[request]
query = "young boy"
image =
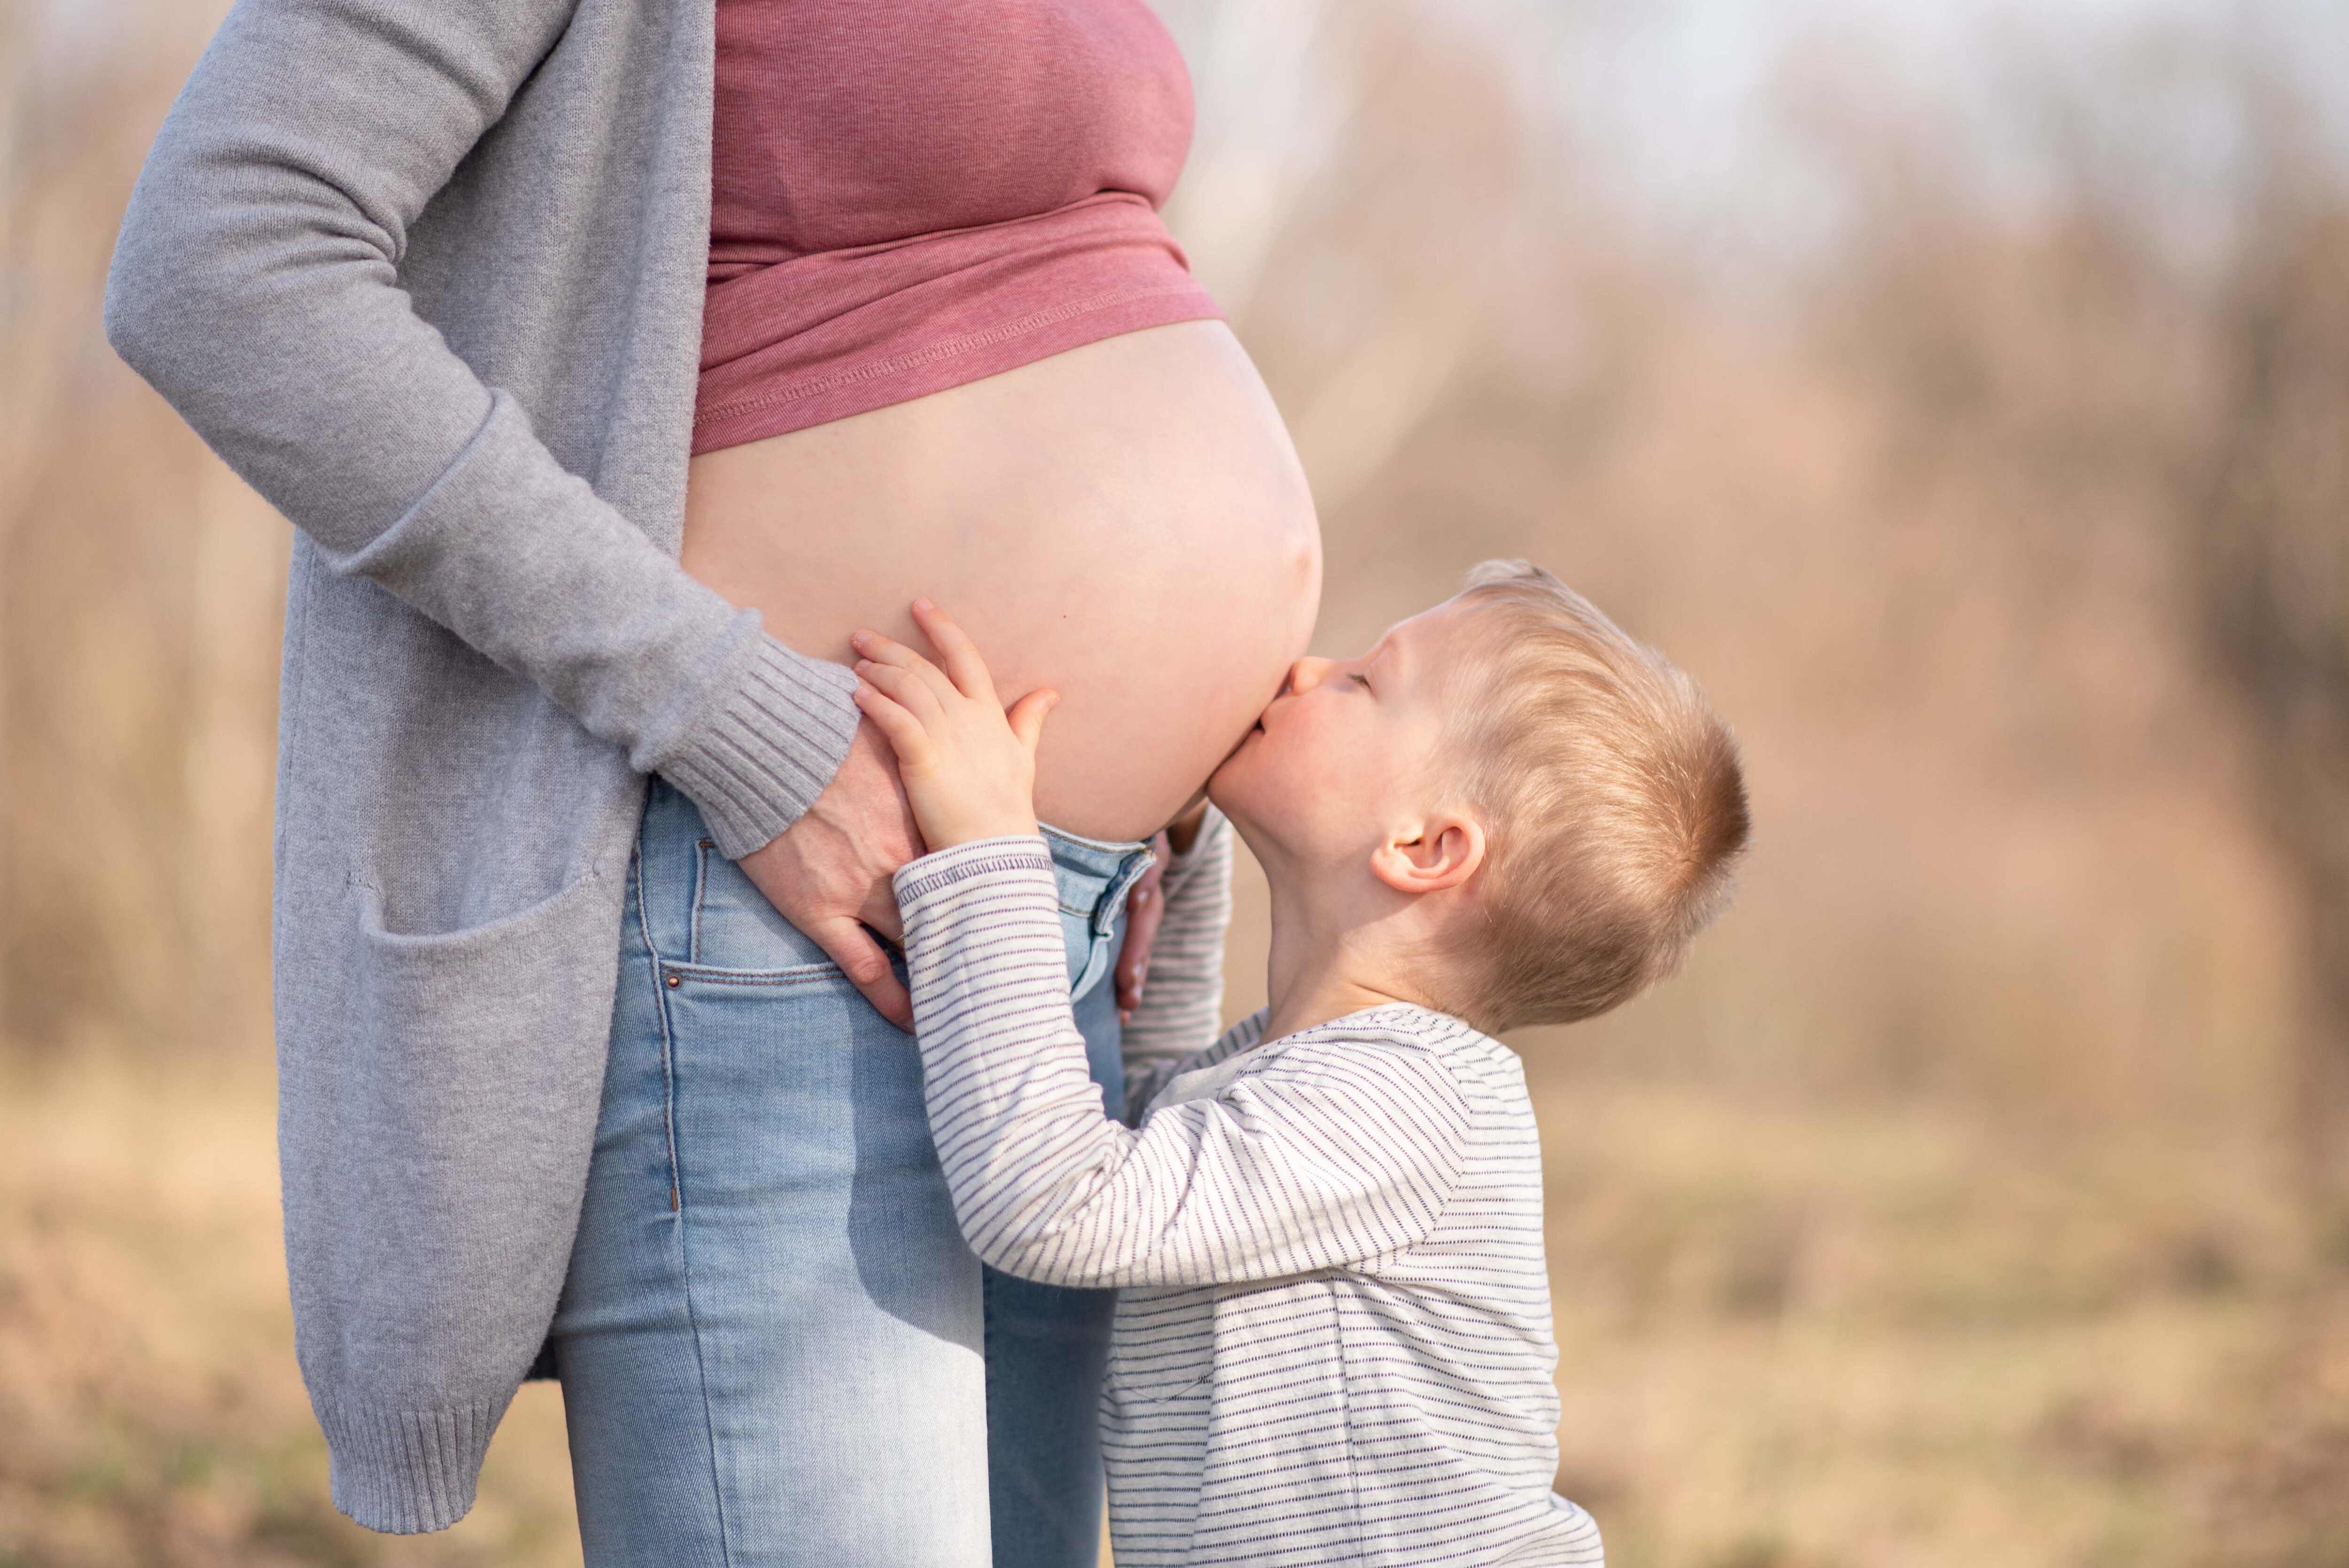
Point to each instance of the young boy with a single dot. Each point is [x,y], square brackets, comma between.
[1333,1344]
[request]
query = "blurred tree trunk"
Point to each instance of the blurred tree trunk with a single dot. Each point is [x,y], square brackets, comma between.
[2273,537]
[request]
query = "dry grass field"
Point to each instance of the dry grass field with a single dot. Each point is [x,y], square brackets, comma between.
[1832,1336]
[149,1410]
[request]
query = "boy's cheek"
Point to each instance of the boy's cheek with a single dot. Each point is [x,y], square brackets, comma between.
[1302,791]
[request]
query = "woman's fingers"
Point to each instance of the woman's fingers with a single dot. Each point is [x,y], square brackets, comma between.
[847,944]
[955,651]
[1145,907]
[829,872]
[1027,715]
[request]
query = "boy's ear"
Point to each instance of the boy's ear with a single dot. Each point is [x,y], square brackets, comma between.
[1444,851]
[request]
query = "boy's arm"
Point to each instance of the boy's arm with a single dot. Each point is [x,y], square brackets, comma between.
[1327,1156]
[1323,1157]
[1144,1082]
[1182,1005]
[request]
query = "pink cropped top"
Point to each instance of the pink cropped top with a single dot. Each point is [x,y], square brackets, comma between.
[907,195]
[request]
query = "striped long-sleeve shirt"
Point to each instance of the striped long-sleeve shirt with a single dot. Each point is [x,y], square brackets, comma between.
[1333,1340]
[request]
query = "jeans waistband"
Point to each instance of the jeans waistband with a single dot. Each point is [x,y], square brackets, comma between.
[675,863]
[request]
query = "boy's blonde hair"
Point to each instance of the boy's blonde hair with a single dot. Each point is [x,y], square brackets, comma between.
[1613,800]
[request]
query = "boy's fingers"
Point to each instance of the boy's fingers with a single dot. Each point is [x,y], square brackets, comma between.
[1027,715]
[881,649]
[901,729]
[888,651]
[907,687]
[955,650]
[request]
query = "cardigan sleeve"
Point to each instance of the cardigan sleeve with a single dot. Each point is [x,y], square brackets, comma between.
[1341,1148]
[257,285]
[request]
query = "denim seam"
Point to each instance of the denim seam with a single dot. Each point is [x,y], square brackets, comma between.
[667,1051]
[677,1218]
[693,920]
[707,975]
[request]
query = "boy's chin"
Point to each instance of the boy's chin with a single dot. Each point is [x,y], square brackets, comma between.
[1228,785]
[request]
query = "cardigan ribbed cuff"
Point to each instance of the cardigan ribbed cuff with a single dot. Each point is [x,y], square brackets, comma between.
[407,1471]
[771,744]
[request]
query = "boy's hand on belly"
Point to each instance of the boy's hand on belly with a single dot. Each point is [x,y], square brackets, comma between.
[968,766]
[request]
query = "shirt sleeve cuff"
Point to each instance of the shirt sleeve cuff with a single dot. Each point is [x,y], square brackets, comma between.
[771,744]
[925,880]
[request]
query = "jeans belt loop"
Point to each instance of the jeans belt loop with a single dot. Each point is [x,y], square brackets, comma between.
[1105,922]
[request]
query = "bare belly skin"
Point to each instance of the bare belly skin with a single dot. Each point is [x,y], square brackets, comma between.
[1125,522]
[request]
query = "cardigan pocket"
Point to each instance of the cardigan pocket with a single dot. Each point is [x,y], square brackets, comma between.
[435,1204]
[462,1027]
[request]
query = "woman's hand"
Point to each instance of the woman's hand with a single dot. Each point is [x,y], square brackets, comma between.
[829,872]
[1145,907]
[968,766]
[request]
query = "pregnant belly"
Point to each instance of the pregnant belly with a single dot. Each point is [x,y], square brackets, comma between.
[1125,522]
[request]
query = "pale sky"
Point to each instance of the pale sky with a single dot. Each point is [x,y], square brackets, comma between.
[1698,97]
[1689,110]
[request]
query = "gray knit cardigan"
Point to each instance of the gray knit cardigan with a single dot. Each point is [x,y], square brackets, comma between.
[427,273]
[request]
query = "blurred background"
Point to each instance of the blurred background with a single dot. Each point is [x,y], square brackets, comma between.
[1960,388]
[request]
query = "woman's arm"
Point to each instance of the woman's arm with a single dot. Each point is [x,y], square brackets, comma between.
[1328,1155]
[257,285]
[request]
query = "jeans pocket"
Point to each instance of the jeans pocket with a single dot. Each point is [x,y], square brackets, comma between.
[735,929]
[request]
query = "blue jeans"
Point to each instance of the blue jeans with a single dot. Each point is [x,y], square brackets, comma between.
[774,1345]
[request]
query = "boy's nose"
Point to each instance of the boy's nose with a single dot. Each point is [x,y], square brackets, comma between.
[1307,673]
